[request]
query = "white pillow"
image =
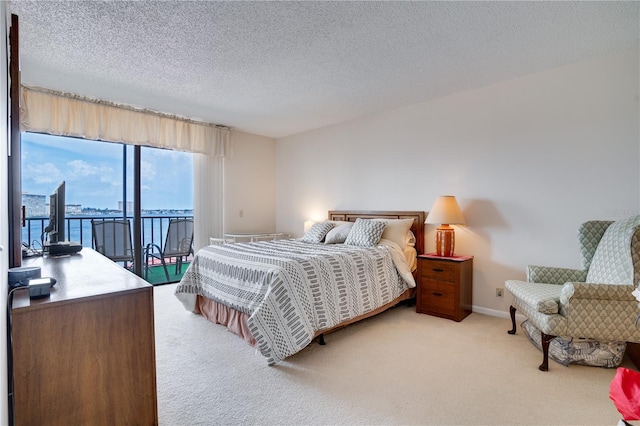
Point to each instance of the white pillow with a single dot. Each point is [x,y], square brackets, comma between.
[411,239]
[396,230]
[338,234]
[317,232]
[365,233]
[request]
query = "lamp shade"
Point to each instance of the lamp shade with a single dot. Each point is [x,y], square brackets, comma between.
[445,210]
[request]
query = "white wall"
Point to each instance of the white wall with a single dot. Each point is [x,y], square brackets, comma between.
[249,185]
[528,160]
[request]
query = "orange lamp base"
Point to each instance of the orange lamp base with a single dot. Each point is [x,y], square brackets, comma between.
[445,240]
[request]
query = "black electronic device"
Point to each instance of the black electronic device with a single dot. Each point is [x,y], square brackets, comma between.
[62,248]
[55,229]
[57,244]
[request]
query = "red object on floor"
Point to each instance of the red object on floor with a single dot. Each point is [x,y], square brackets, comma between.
[624,391]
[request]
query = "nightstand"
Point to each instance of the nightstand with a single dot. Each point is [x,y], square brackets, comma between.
[445,286]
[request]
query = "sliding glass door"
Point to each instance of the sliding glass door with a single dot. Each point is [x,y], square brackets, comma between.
[166,179]
[99,180]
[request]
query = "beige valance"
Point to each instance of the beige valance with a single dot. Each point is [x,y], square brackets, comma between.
[64,114]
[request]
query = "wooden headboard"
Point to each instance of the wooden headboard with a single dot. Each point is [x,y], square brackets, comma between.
[418,220]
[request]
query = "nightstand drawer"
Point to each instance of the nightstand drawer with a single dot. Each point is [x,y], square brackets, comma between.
[438,297]
[440,271]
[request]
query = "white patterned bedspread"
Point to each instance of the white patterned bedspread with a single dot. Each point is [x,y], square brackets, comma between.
[291,289]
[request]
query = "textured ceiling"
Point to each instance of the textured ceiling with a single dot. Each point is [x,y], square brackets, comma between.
[279,68]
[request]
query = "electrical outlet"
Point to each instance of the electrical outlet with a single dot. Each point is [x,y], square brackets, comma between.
[499,292]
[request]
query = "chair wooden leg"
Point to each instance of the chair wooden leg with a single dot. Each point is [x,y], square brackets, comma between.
[546,339]
[512,312]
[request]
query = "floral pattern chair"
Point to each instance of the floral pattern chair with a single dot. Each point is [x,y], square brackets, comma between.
[593,303]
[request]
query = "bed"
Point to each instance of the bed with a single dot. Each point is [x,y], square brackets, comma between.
[281,295]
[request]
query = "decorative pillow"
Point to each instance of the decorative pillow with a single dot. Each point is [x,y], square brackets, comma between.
[338,234]
[579,351]
[396,230]
[365,233]
[317,232]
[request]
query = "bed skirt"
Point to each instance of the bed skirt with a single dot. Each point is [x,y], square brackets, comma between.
[236,321]
[218,313]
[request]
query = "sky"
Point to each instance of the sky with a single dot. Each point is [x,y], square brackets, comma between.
[93,172]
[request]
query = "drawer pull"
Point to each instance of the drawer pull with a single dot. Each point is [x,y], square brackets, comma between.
[438,270]
[437,293]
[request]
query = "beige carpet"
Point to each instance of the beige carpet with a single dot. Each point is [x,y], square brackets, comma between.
[396,368]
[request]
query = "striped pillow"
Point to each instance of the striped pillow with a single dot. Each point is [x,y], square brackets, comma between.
[317,232]
[365,233]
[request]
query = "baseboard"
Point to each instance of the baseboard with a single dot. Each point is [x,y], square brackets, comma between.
[496,313]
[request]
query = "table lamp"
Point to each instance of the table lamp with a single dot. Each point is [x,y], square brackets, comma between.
[445,212]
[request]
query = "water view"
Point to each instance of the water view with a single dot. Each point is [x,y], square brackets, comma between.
[78,228]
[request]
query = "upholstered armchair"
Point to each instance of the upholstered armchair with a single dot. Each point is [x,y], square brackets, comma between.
[592,303]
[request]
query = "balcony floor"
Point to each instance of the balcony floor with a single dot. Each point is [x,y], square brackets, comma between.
[156,274]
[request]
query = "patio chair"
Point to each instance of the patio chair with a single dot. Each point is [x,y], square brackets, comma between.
[178,244]
[112,238]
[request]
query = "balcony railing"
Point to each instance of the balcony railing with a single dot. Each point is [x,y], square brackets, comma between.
[78,229]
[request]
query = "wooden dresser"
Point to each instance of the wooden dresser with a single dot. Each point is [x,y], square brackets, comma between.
[445,286]
[86,354]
